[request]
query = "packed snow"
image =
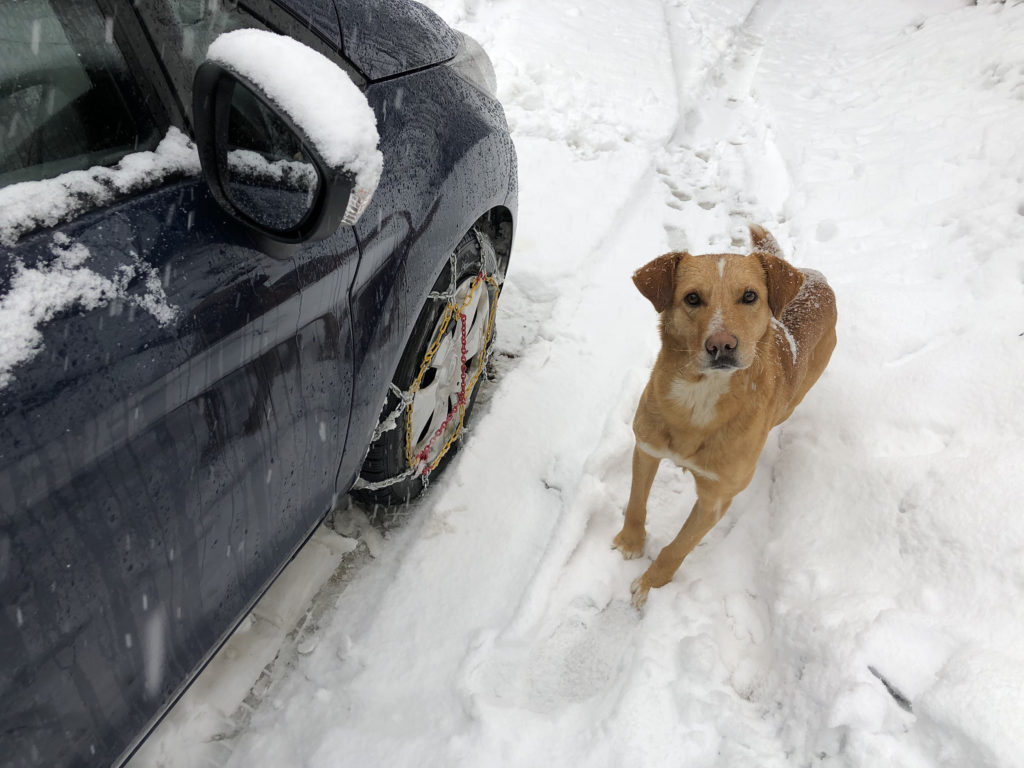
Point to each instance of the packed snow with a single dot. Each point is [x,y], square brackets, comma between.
[860,603]
[330,108]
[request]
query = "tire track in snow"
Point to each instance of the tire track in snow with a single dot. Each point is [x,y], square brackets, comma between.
[721,167]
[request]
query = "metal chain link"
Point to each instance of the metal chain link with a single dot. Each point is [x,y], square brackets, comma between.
[390,421]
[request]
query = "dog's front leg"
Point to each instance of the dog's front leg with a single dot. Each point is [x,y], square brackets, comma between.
[708,510]
[630,540]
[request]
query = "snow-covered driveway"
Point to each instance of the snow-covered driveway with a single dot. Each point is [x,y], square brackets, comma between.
[861,603]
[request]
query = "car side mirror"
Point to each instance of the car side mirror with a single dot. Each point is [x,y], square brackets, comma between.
[284,153]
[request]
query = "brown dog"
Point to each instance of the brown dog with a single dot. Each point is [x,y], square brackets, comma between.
[742,340]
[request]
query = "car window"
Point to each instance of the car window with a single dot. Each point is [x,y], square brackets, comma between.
[68,100]
[182,31]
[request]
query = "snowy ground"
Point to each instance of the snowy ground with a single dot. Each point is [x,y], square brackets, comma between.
[860,604]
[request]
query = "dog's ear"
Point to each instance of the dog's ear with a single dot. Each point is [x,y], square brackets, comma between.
[763,241]
[656,279]
[784,281]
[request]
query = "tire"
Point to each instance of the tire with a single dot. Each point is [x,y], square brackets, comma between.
[421,440]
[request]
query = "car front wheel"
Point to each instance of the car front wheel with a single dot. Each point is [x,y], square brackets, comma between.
[436,382]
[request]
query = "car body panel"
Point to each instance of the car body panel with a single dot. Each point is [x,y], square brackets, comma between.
[318,15]
[148,500]
[385,38]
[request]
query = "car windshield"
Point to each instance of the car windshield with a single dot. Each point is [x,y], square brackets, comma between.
[67,99]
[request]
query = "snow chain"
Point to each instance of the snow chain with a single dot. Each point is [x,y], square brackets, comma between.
[419,463]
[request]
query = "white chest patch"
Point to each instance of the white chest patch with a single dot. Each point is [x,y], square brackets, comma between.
[676,459]
[701,397]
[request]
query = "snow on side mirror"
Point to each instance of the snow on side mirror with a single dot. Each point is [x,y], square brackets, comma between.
[288,143]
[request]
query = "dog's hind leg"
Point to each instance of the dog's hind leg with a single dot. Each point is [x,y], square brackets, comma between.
[705,513]
[630,540]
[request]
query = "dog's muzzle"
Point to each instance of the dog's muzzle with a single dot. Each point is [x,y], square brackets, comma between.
[724,363]
[721,350]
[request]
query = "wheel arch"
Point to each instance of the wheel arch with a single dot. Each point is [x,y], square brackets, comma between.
[497,224]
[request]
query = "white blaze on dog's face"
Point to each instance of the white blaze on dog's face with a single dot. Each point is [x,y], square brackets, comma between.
[716,308]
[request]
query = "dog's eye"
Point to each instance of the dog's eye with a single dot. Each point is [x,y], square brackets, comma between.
[693,299]
[749,297]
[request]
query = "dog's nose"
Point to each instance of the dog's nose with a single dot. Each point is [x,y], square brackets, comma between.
[720,343]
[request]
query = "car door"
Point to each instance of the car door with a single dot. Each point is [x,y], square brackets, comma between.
[172,405]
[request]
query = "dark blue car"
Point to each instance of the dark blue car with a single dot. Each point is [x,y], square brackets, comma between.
[210,329]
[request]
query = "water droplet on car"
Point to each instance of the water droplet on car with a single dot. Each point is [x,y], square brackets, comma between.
[36,32]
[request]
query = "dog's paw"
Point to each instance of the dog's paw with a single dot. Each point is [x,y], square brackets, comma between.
[628,546]
[639,592]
